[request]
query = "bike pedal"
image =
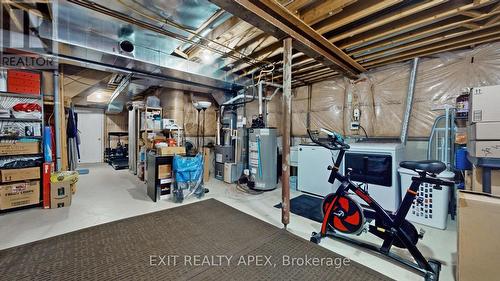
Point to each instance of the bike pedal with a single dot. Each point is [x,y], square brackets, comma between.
[421,234]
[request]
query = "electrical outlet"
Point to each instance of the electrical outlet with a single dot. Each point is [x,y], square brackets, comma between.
[354,125]
[356,113]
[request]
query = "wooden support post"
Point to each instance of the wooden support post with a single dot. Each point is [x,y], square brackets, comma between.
[63,134]
[287,111]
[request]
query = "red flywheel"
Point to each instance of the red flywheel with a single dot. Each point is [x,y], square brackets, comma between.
[346,214]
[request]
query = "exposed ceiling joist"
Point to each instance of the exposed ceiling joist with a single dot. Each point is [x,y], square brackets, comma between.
[356,12]
[276,20]
[324,10]
[391,17]
[427,31]
[437,14]
[439,47]
[295,5]
[427,41]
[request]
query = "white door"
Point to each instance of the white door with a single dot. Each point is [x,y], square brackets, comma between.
[91,129]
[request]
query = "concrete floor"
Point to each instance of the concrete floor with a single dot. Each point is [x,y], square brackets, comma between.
[106,195]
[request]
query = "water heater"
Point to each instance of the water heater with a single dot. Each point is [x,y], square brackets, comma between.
[262,157]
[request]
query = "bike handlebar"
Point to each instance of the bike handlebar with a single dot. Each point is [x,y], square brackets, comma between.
[335,141]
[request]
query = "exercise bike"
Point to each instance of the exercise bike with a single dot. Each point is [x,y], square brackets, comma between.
[344,215]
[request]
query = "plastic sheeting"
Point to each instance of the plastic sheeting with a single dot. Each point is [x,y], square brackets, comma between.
[380,94]
[441,79]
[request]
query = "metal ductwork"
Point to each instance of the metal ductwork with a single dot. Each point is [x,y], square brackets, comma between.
[100,41]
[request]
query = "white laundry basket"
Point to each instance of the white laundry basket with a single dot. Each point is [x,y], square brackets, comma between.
[434,209]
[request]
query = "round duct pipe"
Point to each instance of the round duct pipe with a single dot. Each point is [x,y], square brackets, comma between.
[172,102]
[127,46]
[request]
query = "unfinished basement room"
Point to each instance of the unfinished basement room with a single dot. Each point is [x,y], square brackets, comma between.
[250,140]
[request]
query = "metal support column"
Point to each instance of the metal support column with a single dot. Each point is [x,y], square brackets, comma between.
[57,121]
[409,101]
[287,111]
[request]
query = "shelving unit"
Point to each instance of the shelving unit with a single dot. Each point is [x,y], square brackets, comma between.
[8,98]
[142,124]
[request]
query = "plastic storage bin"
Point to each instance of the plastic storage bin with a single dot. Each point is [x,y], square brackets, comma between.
[434,209]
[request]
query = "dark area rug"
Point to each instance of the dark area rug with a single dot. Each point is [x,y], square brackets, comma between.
[206,233]
[306,206]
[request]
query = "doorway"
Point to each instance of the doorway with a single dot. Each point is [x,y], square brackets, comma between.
[91,129]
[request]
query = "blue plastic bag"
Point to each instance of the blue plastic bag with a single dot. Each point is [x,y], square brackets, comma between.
[188,169]
[188,173]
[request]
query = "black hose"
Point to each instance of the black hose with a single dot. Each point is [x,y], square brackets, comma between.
[366,135]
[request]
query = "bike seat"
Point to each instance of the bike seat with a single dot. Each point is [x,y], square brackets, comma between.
[430,166]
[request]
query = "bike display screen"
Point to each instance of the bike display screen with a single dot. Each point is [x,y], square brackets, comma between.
[370,168]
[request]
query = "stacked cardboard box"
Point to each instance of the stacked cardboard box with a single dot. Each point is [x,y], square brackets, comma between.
[19,194]
[10,175]
[19,148]
[484,129]
[60,194]
[478,233]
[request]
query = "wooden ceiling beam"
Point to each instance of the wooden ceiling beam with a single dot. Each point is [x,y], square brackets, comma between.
[440,50]
[296,5]
[355,12]
[453,8]
[367,7]
[426,41]
[471,14]
[324,10]
[222,28]
[319,78]
[308,17]
[313,75]
[276,20]
[426,31]
[493,20]
[386,19]
[438,46]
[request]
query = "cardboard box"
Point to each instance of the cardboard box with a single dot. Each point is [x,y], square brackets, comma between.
[477,180]
[10,175]
[171,150]
[484,104]
[19,148]
[207,163]
[487,149]
[164,171]
[19,194]
[60,194]
[478,233]
[484,131]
